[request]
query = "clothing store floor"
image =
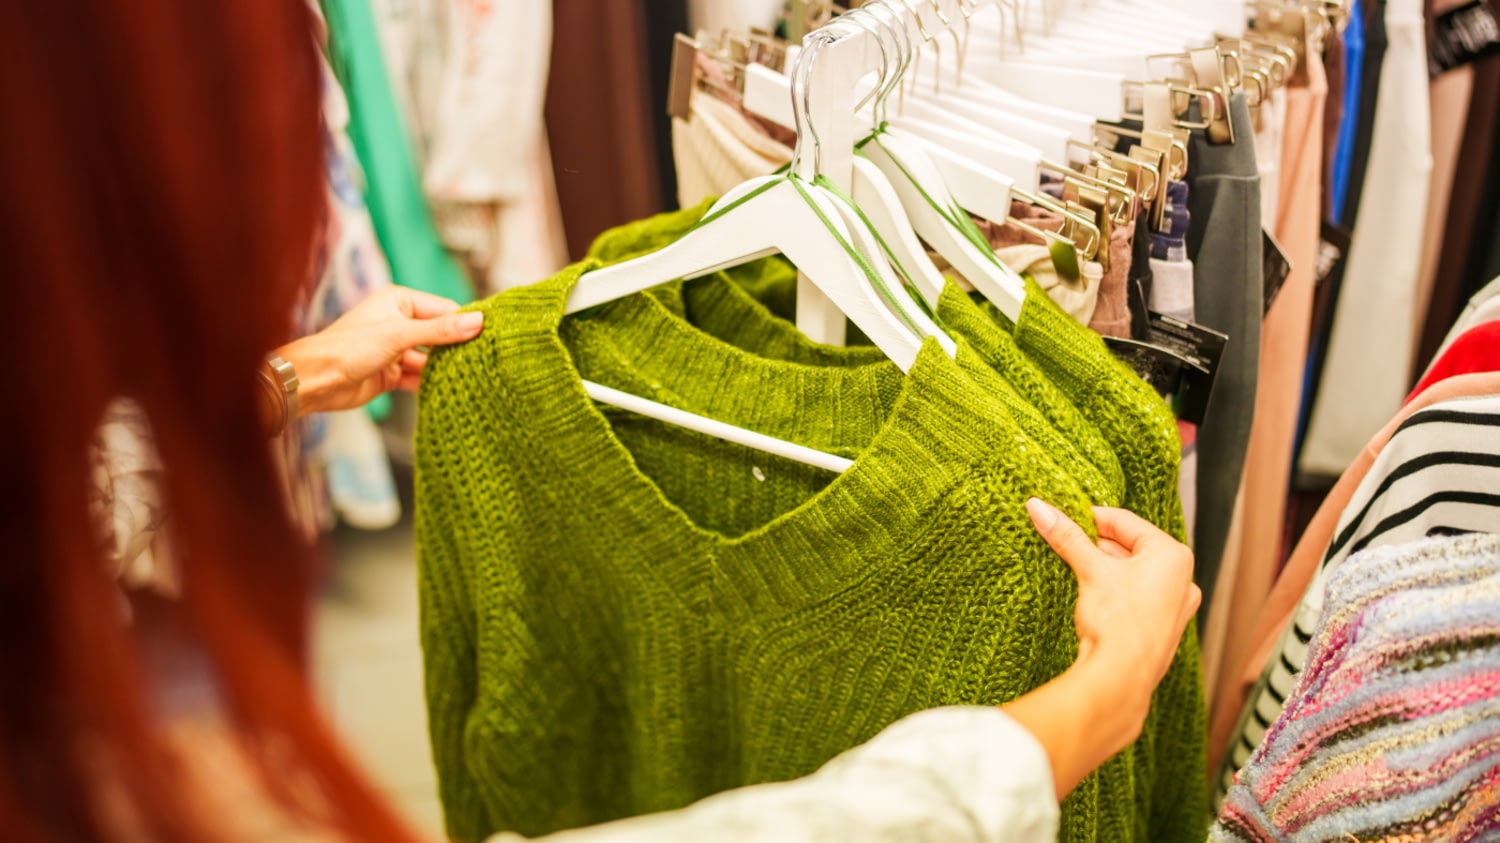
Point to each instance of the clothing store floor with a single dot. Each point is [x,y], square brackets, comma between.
[368,664]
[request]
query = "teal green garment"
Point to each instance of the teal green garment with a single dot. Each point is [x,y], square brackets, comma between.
[393,187]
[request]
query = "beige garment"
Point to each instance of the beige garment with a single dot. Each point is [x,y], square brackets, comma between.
[1449,108]
[470,79]
[733,15]
[718,149]
[126,499]
[1271,132]
[1253,559]
[1026,253]
[1239,677]
[1076,298]
[1215,629]
[527,233]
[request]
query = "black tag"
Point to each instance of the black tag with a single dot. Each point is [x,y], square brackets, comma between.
[1180,360]
[1203,348]
[1332,250]
[1462,35]
[1275,267]
[1160,367]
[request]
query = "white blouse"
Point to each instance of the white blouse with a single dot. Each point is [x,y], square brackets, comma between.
[961,774]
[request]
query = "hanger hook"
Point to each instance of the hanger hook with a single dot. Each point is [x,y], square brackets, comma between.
[802,100]
[903,46]
[921,27]
[929,38]
[958,49]
[855,18]
[901,40]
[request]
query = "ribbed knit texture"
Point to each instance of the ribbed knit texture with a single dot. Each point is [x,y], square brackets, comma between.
[1137,423]
[621,616]
[1141,430]
[1393,731]
[738,317]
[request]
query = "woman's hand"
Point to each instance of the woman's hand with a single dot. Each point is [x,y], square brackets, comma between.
[1135,589]
[1135,598]
[374,348]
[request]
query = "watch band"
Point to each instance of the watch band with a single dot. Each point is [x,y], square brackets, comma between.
[285,385]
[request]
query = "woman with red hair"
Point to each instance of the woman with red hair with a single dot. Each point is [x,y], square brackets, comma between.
[161,181]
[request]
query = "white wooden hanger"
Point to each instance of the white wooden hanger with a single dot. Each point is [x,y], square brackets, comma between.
[959,148]
[930,205]
[877,199]
[920,183]
[979,188]
[1078,72]
[785,214]
[1019,162]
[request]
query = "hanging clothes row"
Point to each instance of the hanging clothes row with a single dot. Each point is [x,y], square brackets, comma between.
[679,534]
[746,485]
[1394,216]
[719,144]
[1429,471]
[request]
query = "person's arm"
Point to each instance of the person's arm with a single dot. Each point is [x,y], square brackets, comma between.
[1135,598]
[376,347]
[960,774]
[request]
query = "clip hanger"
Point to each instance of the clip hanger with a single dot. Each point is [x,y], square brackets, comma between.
[1212,73]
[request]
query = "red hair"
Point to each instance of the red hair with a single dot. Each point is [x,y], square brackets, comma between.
[161,179]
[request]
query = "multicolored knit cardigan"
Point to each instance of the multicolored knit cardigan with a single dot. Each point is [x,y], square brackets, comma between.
[1392,733]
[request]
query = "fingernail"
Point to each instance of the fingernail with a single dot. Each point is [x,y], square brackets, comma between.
[470,322]
[1042,513]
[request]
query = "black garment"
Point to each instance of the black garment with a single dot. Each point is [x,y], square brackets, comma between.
[664,19]
[1140,277]
[1484,257]
[1376,42]
[1224,244]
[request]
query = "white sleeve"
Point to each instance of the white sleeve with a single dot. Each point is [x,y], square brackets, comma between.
[966,774]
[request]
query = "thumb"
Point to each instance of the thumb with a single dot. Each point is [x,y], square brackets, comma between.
[442,330]
[1065,537]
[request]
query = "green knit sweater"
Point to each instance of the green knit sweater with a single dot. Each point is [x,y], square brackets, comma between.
[1053,361]
[1043,412]
[621,616]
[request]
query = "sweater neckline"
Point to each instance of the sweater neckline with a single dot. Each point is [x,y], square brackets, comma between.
[939,428]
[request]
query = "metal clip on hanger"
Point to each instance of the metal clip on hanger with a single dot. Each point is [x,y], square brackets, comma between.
[1171,143]
[1212,73]
[686,77]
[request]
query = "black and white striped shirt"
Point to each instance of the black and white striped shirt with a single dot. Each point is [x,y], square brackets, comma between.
[1439,473]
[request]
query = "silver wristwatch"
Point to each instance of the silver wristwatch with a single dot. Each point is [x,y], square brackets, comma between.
[286,376]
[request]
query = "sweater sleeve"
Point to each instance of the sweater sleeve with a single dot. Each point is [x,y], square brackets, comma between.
[446,592]
[966,774]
